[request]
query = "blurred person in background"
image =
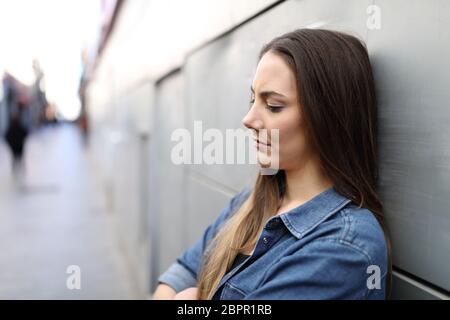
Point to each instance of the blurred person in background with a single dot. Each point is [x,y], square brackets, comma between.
[15,137]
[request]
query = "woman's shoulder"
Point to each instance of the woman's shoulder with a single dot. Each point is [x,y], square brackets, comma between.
[361,230]
[233,206]
[239,198]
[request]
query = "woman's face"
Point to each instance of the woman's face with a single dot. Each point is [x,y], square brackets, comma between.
[275,105]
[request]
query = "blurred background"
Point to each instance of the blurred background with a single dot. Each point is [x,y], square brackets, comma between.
[92,90]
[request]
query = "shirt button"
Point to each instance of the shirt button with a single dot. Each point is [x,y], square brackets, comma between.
[265,240]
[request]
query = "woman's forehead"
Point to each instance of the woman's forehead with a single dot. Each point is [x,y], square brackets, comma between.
[273,74]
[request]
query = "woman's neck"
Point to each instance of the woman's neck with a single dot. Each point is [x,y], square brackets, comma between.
[304,183]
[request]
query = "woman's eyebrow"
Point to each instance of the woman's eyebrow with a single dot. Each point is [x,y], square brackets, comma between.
[268,93]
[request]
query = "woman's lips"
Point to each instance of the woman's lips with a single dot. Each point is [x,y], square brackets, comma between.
[261,145]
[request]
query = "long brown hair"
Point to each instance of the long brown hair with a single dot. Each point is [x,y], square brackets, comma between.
[337,97]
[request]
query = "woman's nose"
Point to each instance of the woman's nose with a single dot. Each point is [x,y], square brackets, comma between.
[252,119]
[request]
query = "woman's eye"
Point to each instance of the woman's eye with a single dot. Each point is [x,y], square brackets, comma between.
[274,109]
[250,104]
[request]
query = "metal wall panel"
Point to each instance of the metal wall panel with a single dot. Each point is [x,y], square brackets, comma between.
[129,180]
[204,203]
[410,56]
[168,212]
[405,288]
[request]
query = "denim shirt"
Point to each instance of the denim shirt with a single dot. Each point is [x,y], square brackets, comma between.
[326,248]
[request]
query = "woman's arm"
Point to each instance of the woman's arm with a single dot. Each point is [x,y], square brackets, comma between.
[182,274]
[187,294]
[164,292]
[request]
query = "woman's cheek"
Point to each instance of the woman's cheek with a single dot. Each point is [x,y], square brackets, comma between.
[291,150]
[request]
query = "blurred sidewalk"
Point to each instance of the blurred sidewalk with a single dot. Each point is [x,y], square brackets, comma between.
[56,219]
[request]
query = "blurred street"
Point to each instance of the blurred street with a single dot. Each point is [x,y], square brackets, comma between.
[56,217]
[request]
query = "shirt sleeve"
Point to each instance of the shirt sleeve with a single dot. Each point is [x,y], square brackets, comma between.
[183,273]
[322,270]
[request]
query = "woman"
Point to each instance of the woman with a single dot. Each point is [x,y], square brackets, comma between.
[315,230]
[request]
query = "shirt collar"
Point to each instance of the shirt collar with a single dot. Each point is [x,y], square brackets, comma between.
[306,217]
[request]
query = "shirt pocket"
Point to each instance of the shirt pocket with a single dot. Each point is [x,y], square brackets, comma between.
[231,292]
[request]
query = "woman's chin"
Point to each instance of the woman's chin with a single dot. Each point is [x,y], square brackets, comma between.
[266,161]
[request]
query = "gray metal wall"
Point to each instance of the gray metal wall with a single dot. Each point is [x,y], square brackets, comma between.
[167,181]
[128,193]
[410,56]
